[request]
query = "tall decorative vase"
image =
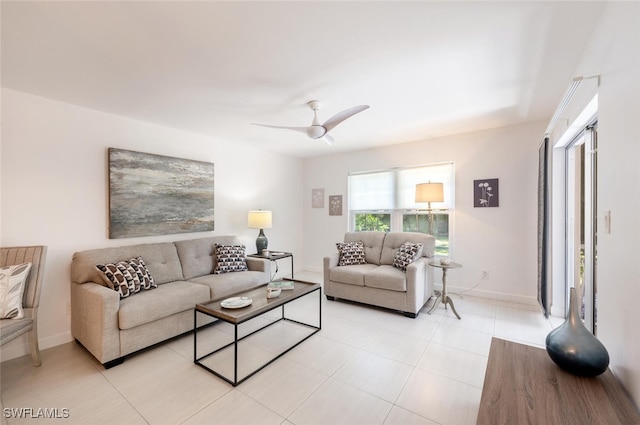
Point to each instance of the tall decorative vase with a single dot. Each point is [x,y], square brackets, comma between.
[572,347]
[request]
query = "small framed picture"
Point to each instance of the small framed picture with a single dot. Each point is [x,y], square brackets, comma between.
[317,198]
[486,193]
[335,205]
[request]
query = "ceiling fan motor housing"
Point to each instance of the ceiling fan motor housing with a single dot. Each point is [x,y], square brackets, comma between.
[316,131]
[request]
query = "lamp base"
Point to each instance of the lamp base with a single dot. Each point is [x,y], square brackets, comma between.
[261,242]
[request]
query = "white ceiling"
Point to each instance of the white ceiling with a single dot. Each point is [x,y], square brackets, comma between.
[427,69]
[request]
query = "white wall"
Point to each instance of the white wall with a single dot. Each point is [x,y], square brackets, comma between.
[501,240]
[54,190]
[614,54]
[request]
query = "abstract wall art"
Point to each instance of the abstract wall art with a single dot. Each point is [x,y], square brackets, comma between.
[158,195]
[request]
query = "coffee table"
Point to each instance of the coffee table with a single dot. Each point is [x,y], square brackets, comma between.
[261,305]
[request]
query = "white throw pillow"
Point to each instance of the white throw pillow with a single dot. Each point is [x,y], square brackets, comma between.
[12,280]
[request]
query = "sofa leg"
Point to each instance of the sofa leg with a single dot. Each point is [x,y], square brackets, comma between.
[411,315]
[330,298]
[114,362]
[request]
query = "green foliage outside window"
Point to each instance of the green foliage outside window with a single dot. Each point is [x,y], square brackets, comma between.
[420,223]
[410,223]
[373,222]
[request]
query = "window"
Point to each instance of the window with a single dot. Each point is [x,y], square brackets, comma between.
[385,201]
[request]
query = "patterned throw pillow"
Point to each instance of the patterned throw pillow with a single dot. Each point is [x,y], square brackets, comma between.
[121,277]
[406,255]
[230,258]
[146,280]
[127,277]
[12,280]
[351,253]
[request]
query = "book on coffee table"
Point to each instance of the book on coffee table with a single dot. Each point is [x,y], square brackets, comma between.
[285,285]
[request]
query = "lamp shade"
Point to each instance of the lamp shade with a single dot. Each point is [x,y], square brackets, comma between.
[429,192]
[259,219]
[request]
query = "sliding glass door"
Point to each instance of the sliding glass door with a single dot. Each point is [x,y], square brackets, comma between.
[581,222]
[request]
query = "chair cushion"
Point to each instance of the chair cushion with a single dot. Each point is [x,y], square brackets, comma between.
[12,281]
[386,277]
[351,253]
[13,328]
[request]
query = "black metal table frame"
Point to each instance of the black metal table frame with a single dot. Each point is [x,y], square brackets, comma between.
[275,257]
[236,340]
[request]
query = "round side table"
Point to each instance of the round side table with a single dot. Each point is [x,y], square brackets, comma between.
[443,297]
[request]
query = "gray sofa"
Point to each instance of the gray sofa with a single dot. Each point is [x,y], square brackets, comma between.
[110,327]
[378,282]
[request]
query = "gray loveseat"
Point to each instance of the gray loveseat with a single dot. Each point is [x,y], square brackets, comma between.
[378,282]
[111,327]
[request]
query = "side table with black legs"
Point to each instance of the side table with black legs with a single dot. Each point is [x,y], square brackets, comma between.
[443,297]
[274,256]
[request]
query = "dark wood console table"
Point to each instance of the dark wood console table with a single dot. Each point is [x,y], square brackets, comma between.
[523,385]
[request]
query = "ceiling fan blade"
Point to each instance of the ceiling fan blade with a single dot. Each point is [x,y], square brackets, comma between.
[327,139]
[341,116]
[301,129]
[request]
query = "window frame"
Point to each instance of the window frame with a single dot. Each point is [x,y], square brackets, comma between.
[396,221]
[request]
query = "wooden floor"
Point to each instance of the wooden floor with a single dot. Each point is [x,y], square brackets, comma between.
[523,386]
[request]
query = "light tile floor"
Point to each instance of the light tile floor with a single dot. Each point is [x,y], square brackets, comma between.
[366,366]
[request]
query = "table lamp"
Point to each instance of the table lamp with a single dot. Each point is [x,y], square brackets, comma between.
[430,192]
[260,220]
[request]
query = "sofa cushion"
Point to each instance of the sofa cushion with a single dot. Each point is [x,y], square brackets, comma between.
[197,256]
[161,260]
[230,258]
[353,275]
[12,282]
[407,254]
[372,242]
[224,285]
[386,277]
[393,241]
[167,299]
[351,253]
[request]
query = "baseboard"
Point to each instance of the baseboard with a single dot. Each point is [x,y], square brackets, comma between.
[20,347]
[312,269]
[492,295]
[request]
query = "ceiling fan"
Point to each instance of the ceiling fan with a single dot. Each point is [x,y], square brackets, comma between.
[319,131]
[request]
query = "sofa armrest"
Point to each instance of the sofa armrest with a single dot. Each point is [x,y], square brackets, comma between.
[258,264]
[419,282]
[331,261]
[328,263]
[94,319]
